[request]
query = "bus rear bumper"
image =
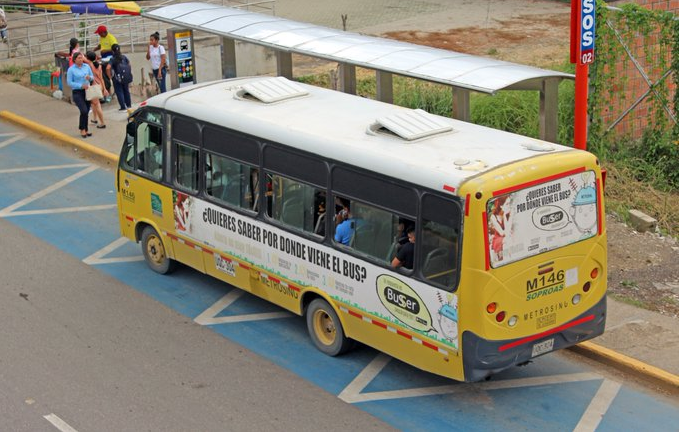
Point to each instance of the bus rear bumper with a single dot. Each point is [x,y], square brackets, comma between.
[482,357]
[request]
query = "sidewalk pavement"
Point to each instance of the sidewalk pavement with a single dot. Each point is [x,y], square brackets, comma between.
[635,340]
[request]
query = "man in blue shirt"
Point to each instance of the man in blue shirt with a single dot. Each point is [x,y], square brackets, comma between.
[345,229]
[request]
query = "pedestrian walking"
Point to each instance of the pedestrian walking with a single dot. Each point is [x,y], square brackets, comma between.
[79,77]
[156,53]
[120,73]
[3,25]
[97,111]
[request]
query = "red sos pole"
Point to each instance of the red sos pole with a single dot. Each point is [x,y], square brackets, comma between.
[582,52]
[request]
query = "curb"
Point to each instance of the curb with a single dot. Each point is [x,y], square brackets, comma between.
[587,349]
[60,136]
[628,364]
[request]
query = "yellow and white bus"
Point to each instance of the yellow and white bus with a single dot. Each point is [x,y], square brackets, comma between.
[458,249]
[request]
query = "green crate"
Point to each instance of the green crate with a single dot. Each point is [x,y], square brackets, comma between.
[41,77]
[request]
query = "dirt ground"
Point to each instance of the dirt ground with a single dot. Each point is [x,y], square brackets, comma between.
[532,40]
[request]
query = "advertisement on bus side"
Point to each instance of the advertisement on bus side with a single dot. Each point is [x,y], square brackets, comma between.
[393,298]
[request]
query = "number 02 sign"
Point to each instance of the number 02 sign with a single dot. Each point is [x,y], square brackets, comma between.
[586,51]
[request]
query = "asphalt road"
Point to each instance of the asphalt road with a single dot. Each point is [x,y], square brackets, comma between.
[91,336]
[101,356]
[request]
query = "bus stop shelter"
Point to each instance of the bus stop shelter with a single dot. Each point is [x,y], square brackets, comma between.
[464,73]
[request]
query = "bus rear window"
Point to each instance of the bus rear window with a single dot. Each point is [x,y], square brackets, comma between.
[540,218]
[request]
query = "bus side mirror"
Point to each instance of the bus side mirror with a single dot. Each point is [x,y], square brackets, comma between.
[131,129]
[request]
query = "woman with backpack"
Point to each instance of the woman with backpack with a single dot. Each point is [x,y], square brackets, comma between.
[120,72]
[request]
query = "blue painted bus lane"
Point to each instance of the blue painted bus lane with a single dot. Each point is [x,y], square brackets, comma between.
[79,217]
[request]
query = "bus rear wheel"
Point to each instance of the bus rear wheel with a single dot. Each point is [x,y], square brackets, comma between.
[325,329]
[154,252]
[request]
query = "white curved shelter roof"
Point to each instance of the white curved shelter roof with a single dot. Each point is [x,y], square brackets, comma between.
[437,65]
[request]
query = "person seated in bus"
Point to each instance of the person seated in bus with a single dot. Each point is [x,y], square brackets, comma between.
[320,217]
[345,229]
[341,207]
[402,232]
[405,255]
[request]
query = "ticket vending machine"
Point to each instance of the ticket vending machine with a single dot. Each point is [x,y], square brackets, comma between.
[181,57]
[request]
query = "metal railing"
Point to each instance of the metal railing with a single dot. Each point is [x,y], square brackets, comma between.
[35,35]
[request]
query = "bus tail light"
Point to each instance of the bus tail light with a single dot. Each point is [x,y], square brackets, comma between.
[586,286]
[512,321]
[576,299]
[491,307]
[500,316]
[594,272]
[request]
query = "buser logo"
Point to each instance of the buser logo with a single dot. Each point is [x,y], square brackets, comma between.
[402,300]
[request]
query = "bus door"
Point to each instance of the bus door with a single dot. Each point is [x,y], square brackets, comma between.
[141,197]
[186,170]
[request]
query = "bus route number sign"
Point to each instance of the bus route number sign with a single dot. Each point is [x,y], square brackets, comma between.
[587,34]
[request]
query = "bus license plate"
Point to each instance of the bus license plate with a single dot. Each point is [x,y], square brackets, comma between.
[542,347]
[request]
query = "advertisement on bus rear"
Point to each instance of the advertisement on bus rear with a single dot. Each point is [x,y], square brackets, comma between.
[541,217]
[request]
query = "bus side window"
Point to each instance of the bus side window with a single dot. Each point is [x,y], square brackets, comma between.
[187,170]
[231,182]
[149,150]
[440,241]
[294,203]
[370,230]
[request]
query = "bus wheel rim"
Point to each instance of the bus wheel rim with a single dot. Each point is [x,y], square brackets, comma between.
[154,247]
[324,327]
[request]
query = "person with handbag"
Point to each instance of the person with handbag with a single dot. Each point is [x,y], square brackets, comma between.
[97,90]
[156,53]
[79,77]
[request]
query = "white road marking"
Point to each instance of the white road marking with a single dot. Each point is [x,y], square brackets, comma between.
[364,378]
[47,190]
[15,138]
[41,168]
[59,210]
[59,423]
[209,316]
[598,406]
[98,257]
[466,388]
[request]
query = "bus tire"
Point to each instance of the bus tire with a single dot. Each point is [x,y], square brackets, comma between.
[154,252]
[325,329]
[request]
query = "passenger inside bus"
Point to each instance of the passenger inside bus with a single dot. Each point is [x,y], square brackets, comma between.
[406,252]
[345,225]
[320,217]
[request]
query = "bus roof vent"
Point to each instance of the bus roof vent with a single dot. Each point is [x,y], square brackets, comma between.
[410,125]
[539,146]
[271,90]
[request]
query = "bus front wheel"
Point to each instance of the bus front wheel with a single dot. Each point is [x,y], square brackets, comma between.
[154,252]
[325,329]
